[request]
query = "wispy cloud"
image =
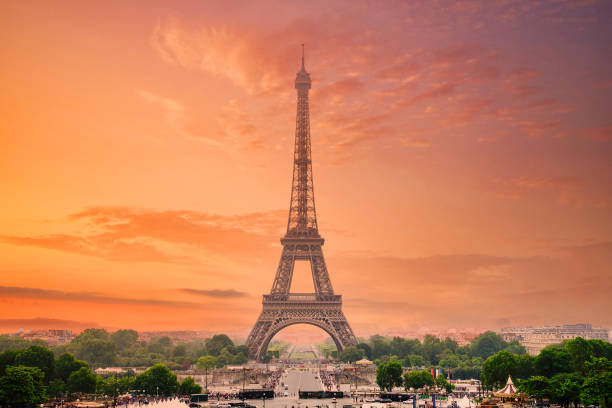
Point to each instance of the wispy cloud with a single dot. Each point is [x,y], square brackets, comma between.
[87,297]
[215,293]
[135,235]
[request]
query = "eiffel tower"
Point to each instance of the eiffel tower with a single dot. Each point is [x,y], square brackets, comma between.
[301,242]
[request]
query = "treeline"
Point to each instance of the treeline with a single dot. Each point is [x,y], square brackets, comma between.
[574,371]
[32,375]
[99,348]
[465,361]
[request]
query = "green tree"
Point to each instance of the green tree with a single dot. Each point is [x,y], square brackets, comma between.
[82,380]
[389,375]
[124,339]
[157,376]
[515,347]
[37,356]
[217,343]
[579,351]
[89,334]
[240,359]
[179,351]
[450,361]
[537,387]
[565,388]
[7,358]
[414,360]
[206,362]
[66,364]
[552,360]
[417,379]
[242,349]
[56,388]
[487,344]
[601,348]
[22,386]
[189,386]
[97,352]
[12,343]
[525,366]
[597,386]
[497,368]
[432,349]
[440,381]
[380,346]
[366,349]
[351,354]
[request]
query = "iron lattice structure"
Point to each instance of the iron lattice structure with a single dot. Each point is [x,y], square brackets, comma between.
[301,242]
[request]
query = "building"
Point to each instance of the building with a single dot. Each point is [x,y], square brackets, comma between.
[50,336]
[535,339]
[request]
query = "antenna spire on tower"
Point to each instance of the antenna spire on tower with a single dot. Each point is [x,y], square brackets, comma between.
[303,69]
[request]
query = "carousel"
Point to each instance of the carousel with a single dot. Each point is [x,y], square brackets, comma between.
[509,394]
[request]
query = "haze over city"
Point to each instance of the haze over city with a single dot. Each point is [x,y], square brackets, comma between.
[461,157]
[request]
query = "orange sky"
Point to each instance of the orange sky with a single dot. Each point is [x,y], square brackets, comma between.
[462,161]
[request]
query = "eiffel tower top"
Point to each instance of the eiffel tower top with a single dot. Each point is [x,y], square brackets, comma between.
[302,78]
[302,214]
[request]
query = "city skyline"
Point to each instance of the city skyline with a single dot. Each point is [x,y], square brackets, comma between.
[461,154]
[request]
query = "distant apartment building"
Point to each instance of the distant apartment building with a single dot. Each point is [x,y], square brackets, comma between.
[535,339]
[50,336]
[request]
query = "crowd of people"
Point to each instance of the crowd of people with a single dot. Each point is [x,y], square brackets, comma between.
[273,379]
[328,380]
[122,401]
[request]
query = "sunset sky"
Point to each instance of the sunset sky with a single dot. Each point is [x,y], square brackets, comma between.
[462,161]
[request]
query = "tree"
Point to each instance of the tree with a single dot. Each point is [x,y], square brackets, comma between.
[89,334]
[188,386]
[565,388]
[524,366]
[497,368]
[366,349]
[516,348]
[179,351]
[37,356]
[206,362]
[389,375]
[601,348]
[97,351]
[417,379]
[22,386]
[66,364]
[82,380]
[7,358]
[552,360]
[487,344]
[432,349]
[537,387]
[450,361]
[242,349]
[597,386]
[217,343]
[124,339]
[351,354]
[380,346]
[12,343]
[56,388]
[579,351]
[414,360]
[240,359]
[440,381]
[157,376]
